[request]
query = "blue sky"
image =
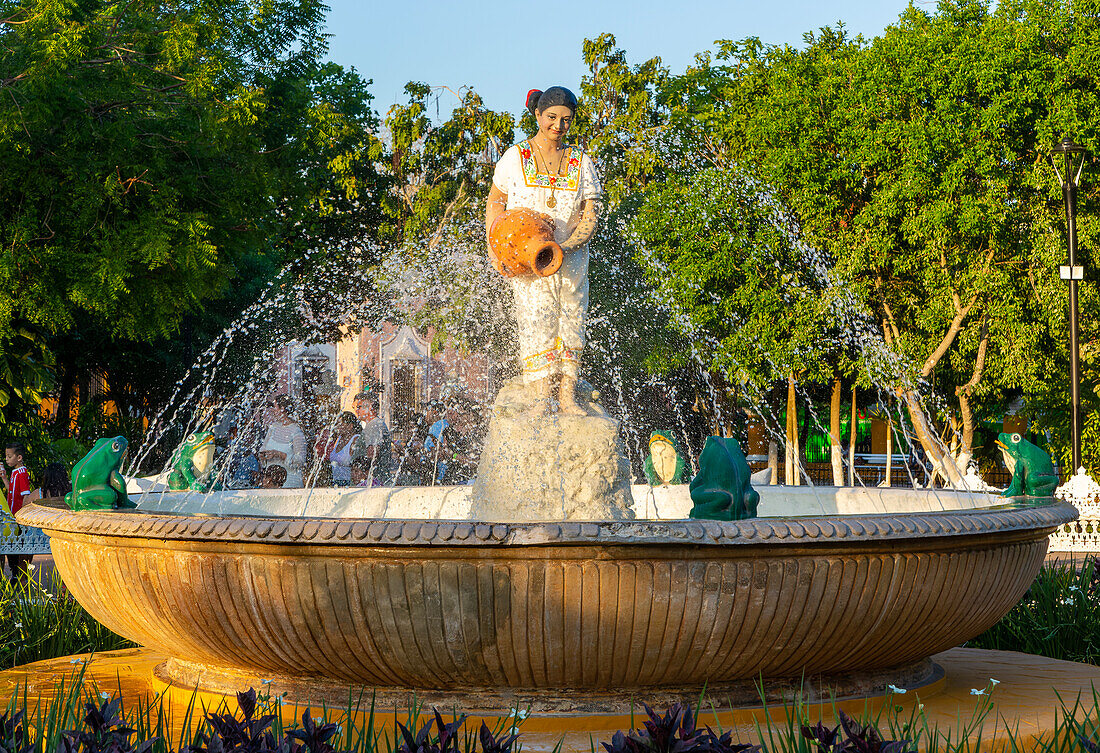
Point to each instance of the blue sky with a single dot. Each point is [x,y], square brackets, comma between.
[504,48]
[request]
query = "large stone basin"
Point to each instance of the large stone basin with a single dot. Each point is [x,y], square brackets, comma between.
[564,614]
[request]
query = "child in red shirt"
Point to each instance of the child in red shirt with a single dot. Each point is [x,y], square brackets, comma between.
[18,486]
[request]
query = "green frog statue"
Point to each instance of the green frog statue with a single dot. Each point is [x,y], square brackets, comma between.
[664,465]
[97,482]
[191,463]
[721,490]
[1032,472]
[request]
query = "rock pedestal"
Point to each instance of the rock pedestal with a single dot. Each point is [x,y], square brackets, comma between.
[554,467]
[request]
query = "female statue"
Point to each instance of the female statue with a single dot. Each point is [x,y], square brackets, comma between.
[546,175]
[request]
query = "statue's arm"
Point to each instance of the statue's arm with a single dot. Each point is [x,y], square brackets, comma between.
[586,226]
[497,203]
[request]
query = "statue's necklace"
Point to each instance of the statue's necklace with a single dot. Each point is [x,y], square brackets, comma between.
[551,201]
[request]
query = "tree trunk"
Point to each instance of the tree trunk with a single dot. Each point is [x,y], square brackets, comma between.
[921,427]
[967,422]
[929,441]
[889,447]
[835,450]
[852,441]
[791,455]
[773,461]
[64,418]
[963,392]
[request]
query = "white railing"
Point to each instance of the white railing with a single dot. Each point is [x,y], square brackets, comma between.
[1083,534]
[20,539]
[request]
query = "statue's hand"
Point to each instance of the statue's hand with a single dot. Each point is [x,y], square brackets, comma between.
[495,261]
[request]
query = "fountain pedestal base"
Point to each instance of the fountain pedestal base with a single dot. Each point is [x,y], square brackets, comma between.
[553,467]
[923,676]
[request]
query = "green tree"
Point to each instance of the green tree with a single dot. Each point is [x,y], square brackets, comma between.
[441,172]
[160,162]
[620,116]
[915,162]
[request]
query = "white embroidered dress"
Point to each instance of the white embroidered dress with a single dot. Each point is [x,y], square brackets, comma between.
[550,311]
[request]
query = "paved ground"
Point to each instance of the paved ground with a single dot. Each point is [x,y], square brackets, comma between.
[43,568]
[1023,712]
[1067,558]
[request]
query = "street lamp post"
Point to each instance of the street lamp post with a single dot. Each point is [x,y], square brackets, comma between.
[1073,156]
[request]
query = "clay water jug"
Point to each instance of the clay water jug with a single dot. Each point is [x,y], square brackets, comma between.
[522,241]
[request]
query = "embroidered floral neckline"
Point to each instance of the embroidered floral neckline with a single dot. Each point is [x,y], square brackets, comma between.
[533,178]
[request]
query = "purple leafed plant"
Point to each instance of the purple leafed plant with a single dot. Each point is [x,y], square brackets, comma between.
[104,731]
[856,738]
[13,738]
[674,732]
[445,741]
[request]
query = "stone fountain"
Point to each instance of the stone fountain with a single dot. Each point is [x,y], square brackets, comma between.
[551,581]
[567,615]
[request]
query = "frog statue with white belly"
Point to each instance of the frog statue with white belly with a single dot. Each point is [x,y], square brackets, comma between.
[1033,474]
[192,462]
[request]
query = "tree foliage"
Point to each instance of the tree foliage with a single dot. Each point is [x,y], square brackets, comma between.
[160,162]
[916,163]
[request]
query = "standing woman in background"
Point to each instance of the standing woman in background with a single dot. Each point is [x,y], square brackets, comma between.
[284,444]
[547,176]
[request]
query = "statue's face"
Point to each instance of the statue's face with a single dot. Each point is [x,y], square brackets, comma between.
[555,121]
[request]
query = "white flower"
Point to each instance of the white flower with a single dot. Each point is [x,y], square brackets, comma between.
[1074,588]
[920,707]
[994,682]
[265,682]
[977,691]
[19,624]
[76,661]
[896,689]
[105,696]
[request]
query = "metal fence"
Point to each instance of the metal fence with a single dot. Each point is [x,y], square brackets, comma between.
[902,475]
[20,539]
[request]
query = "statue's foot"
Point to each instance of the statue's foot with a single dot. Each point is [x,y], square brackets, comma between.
[538,392]
[570,408]
[567,400]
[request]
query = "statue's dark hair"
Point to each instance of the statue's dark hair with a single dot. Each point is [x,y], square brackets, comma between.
[537,101]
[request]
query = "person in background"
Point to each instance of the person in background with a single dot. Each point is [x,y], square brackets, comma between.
[273,477]
[374,440]
[55,483]
[468,440]
[284,444]
[339,446]
[18,488]
[360,471]
[439,442]
[244,467]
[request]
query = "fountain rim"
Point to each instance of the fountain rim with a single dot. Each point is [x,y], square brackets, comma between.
[1025,516]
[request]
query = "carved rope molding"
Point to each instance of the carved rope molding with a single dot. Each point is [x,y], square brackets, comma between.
[358,531]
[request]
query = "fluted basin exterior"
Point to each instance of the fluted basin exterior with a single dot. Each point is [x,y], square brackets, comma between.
[595,606]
